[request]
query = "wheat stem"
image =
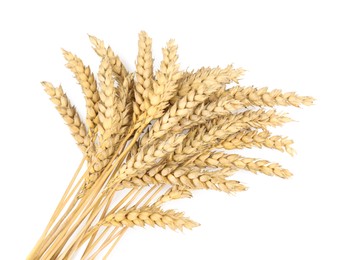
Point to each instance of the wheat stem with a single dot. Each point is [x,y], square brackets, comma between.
[97,185]
[94,190]
[136,205]
[102,216]
[115,243]
[57,211]
[109,239]
[91,246]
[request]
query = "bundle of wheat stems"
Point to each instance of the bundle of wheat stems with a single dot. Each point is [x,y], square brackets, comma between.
[152,136]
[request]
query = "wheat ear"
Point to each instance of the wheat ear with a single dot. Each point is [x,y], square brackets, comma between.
[69,114]
[208,76]
[164,88]
[234,161]
[192,181]
[144,73]
[152,216]
[255,138]
[172,193]
[118,69]
[88,83]
[251,96]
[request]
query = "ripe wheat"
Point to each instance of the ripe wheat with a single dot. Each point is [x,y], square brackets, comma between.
[159,134]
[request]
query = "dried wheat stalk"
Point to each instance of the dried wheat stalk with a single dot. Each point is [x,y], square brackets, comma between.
[152,129]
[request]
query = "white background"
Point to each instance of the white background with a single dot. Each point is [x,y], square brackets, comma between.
[304,46]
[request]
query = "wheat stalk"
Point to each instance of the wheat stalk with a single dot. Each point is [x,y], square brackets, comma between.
[160,134]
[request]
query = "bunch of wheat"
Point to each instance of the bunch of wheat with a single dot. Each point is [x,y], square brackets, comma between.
[161,133]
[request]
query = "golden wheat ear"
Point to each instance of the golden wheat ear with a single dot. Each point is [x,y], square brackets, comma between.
[86,79]
[152,216]
[69,114]
[119,70]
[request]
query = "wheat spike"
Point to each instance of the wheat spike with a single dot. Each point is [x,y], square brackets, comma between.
[251,96]
[118,69]
[88,83]
[252,119]
[109,118]
[200,138]
[107,107]
[144,71]
[146,158]
[124,109]
[172,193]
[208,76]
[255,138]
[234,161]
[152,216]
[165,86]
[192,181]
[216,130]
[182,108]
[206,111]
[69,114]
